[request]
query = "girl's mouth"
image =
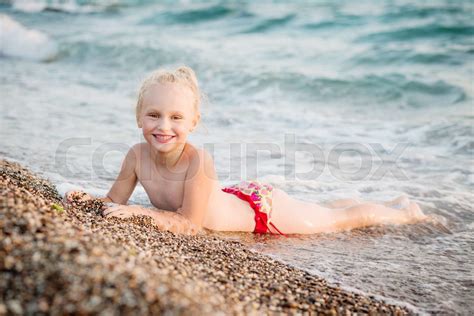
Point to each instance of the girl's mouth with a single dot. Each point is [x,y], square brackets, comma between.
[163,138]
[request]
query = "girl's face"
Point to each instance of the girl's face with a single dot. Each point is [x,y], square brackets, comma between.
[167,116]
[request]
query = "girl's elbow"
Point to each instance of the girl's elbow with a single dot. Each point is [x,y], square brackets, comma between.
[177,223]
[185,228]
[194,221]
[192,227]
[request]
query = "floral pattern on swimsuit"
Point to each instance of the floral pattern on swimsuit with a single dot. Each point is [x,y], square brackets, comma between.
[259,196]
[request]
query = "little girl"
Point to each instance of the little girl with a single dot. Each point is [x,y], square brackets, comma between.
[181,181]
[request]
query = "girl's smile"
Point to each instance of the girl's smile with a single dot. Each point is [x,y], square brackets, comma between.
[163,138]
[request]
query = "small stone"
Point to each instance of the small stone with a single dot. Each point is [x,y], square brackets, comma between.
[14,307]
[3,309]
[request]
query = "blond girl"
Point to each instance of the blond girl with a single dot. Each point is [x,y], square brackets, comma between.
[181,183]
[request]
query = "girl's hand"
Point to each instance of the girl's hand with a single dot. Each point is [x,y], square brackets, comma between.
[76,196]
[125,211]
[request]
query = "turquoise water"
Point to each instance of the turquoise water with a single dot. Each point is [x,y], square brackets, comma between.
[357,79]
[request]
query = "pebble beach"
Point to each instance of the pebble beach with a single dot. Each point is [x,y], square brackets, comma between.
[59,259]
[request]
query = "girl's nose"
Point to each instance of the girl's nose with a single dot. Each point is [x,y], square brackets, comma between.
[164,124]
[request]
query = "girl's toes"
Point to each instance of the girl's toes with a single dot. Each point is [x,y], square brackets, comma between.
[415,212]
[402,202]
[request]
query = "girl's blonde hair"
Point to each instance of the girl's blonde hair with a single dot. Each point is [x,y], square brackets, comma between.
[183,75]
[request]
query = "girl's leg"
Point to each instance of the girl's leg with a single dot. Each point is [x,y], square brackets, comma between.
[293,216]
[399,203]
[342,203]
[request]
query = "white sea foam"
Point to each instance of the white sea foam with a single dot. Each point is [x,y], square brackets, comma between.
[70,6]
[19,41]
[29,6]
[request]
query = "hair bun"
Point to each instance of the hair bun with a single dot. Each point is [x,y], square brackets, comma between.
[188,74]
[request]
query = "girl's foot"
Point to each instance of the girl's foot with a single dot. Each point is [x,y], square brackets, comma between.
[400,203]
[414,213]
[411,214]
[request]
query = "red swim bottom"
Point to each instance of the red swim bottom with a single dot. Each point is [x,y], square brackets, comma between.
[259,196]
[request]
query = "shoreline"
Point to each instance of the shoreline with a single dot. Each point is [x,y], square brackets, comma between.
[59,259]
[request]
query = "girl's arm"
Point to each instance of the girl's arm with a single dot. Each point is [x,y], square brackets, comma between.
[122,188]
[199,183]
[198,186]
[126,181]
[164,220]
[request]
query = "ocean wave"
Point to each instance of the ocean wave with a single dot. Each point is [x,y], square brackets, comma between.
[190,16]
[381,57]
[429,31]
[368,89]
[418,12]
[69,6]
[340,21]
[116,54]
[456,137]
[269,24]
[19,41]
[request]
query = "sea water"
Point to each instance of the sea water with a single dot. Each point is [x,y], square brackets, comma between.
[324,99]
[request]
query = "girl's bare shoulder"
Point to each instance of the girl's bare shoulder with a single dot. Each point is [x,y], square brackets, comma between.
[197,153]
[200,161]
[140,148]
[138,154]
